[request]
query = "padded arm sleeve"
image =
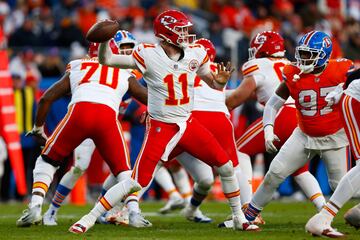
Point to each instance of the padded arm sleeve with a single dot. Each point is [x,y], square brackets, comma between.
[106,57]
[271,109]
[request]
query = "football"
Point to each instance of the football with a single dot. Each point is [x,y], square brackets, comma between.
[102,31]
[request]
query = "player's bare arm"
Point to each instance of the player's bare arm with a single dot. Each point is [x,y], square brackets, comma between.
[56,91]
[217,80]
[241,93]
[138,91]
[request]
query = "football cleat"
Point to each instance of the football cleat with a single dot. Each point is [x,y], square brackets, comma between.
[137,220]
[245,226]
[175,202]
[352,216]
[320,225]
[195,215]
[258,220]
[30,216]
[120,217]
[83,225]
[49,218]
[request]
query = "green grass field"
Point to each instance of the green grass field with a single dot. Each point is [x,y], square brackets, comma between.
[284,221]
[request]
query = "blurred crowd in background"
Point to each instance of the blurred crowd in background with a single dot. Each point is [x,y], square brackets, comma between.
[42,36]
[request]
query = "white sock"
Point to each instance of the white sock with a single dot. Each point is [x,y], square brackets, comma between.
[246,168]
[245,187]
[163,178]
[43,175]
[311,188]
[109,182]
[114,195]
[182,182]
[231,190]
[132,203]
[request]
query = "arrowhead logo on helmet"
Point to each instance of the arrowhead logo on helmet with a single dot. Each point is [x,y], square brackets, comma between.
[166,20]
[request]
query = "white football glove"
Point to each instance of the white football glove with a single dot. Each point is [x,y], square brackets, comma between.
[270,137]
[39,134]
[335,95]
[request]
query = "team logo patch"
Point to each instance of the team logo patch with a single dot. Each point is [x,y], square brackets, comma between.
[167,20]
[193,65]
[260,39]
[327,42]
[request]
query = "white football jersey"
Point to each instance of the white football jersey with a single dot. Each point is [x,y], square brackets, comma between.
[93,82]
[170,83]
[207,98]
[353,90]
[267,73]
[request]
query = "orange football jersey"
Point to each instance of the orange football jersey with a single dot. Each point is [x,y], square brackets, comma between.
[317,117]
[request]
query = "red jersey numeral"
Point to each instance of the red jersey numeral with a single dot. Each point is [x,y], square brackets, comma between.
[104,70]
[172,100]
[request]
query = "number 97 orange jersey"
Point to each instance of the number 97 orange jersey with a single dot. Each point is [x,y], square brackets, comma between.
[317,117]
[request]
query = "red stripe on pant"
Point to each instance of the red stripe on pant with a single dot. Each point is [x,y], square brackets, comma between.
[351,120]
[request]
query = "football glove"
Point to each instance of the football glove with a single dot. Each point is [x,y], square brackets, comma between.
[38,133]
[270,137]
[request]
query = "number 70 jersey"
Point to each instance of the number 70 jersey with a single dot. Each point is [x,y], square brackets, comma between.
[93,82]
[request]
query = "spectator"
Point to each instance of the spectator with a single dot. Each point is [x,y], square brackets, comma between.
[52,65]
[87,15]
[70,33]
[24,66]
[25,35]
[49,32]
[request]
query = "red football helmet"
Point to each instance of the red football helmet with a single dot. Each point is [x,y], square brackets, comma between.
[93,49]
[173,27]
[209,47]
[267,44]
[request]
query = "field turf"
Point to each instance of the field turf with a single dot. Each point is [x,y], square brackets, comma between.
[284,221]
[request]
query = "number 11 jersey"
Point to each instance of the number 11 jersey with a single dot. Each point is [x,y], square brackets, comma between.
[170,83]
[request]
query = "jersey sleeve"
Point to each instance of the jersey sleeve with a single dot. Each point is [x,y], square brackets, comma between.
[139,57]
[251,68]
[343,67]
[203,58]
[288,74]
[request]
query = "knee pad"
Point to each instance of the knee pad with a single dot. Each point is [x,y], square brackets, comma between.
[44,167]
[206,183]
[277,169]
[226,170]
[272,180]
[123,175]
